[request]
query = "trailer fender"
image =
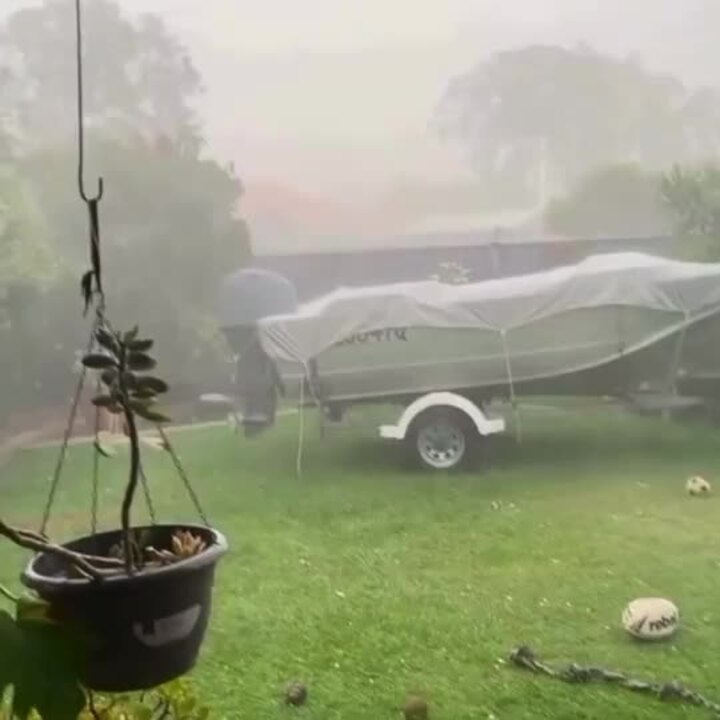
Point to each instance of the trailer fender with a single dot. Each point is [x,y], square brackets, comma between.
[484,424]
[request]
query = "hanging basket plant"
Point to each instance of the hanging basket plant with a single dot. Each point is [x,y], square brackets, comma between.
[142,596]
[138,598]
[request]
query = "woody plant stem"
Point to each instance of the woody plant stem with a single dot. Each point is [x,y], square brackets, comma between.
[134,474]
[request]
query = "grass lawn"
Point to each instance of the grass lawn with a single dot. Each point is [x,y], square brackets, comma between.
[368,581]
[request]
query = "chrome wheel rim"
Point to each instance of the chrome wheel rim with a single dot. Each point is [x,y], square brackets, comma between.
[441,444]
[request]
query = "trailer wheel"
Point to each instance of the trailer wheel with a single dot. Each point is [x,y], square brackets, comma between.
[441,439]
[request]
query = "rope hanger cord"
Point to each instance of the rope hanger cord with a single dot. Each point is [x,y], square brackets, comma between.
[55,481]
[92,286]
[511,386]
[307,377]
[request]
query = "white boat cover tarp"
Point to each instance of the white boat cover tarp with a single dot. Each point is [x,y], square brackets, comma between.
[683,289]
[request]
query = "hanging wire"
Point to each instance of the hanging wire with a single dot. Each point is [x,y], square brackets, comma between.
[148,498]
[63,452]
[66,439]
[183,475]
[81,113]
[301,430]
[92,283]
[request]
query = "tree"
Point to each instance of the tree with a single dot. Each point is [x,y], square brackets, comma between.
[692,195]
[563,113]
[30,269]
[170,222]
[26,258]
[137,75]
[169,217]
[616,201]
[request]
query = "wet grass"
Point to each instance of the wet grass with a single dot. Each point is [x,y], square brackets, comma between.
[368,581]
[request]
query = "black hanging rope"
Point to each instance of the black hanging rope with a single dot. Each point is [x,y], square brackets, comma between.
[81,113]
[148,497]
[66,440]
[183,476]
[92,284]
[63,452]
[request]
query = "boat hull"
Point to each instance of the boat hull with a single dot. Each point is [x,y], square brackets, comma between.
[404,363]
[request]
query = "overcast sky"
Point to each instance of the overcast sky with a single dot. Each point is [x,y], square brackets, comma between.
[336,94]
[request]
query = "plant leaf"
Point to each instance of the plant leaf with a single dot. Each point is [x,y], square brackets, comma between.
[106,452]
[151,415]
[98,362]
[107,401]
[153,384]
[140,362]
[109,376]
[131,335]
[140,345]
[33,609]
[142,394]
[139,404]
[40,660]
[138,711]
[107,340]
[48,681]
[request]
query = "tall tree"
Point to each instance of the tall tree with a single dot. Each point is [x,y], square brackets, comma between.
[692,195]
[30,268]
[170,215]
[557,112]
[621,201]
[137,75]
[26,256]
[170,222]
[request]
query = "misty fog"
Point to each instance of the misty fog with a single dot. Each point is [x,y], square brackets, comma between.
[298,93]
[418,300]
[324,125]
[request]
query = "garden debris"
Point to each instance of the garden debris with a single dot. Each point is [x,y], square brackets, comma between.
[523,657]
[416,708]
[296,694]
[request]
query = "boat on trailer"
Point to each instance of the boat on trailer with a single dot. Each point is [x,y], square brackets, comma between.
[613,325]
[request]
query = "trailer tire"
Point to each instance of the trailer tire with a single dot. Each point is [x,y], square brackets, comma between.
[442,439]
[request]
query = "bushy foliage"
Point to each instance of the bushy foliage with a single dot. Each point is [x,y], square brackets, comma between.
[175,701]
[692,195]
[616,201]
[170,218]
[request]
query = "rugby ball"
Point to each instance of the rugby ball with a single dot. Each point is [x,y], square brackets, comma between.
[651,618]
[697,485]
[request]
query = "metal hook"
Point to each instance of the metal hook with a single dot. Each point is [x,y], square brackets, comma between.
[81,188]
[81,114]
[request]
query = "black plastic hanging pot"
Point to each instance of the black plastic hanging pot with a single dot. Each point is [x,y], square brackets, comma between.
[143,630]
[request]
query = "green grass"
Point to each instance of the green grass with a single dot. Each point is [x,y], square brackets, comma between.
[368,581]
